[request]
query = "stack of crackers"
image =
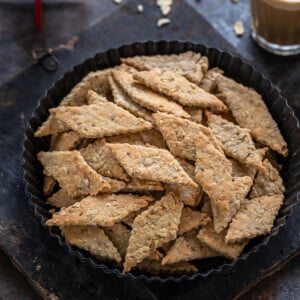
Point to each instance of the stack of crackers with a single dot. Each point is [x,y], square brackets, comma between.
[160,162]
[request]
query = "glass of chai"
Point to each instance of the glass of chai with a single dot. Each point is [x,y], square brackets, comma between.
[276,25]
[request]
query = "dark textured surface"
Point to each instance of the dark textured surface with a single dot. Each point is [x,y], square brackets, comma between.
[17,222]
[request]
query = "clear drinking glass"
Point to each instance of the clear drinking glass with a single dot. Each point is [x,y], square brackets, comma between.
[276,25]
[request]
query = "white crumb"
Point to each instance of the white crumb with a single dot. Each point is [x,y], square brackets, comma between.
[165,6]
[140,8]
[117,1]
[239,28]
[162,21]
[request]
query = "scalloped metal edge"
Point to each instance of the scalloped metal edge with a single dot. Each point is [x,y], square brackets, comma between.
[185,45]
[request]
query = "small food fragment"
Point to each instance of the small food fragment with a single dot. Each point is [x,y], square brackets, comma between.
[213,171]
[96,81]
[239,28]
[162,22]
[99,156]
[146,97]
[188,64]
[62,199]
[154,138]
[140,185]
[178,88]
[250,111]
[84,180]
[98,120]
[153,228]
[267,182]
[103,210]
[119,235]
[186,249]
[49,184]
[236,141]
[216,241]
[150,164]
[208,83]
[92,239]
[181,135]
[165,6]
[255,217]
[123,100]
[117,1]
[140,8]
[155,267]
[64,141]
[191,219]
[51,126]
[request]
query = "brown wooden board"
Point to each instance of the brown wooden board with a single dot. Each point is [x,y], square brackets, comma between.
[44,262]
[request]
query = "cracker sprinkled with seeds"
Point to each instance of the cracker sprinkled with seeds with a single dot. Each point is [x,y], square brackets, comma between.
[251,112]
[84,180]
[123,100]
[99,156]
[65,141]
[186,249]
[216,241]
[213,171]
[150,164]
[181,135]
[208,83]
[267,182]
[146,97]
[188,64]
[153,228]
[236,141]
[179,88]
[255,217]
[62,199]
[103,210]
[94,98]
[96,81]
[51,126]
[191,219]
[92,239]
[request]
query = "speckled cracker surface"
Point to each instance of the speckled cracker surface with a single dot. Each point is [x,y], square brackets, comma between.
[99,156]
[181,134]
[179,88]
[123,100]
[186,249]
[250,111]
[150,164]
[62,199]
[84,180]
[103,210]
[188,64]
[97,81]
[191,219]
[240,170]
[98,120]
[51,126]
[153,228]
[236,141]
[216,241]
[119,235]
[131,138]
[208,83]
[94,98]
[146,97]
[255,217]
[267,182]
[195,113]
[64,141]
[92,239]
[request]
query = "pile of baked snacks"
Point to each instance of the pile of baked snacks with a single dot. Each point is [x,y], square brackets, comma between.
[161,161]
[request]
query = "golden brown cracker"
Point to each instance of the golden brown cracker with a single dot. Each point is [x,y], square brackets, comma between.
[146,97]
[140,185]
[92,239]
[99,156]
[208,82]
[104,210]
[98,120]
[83,181]
[62,199]
[153,228]
[255,217]
[267,182]
[154,138]
[250,111]
[94,98]
[51,126]
[150,164]
[195,113]
[179,88]
[64,141]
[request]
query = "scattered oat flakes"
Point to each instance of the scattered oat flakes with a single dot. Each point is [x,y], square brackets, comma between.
[239,28]
[103,210]
[162,22]
[153,228]
[140,8]
[117,1]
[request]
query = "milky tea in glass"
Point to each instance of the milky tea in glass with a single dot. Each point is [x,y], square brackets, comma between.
[276,25]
